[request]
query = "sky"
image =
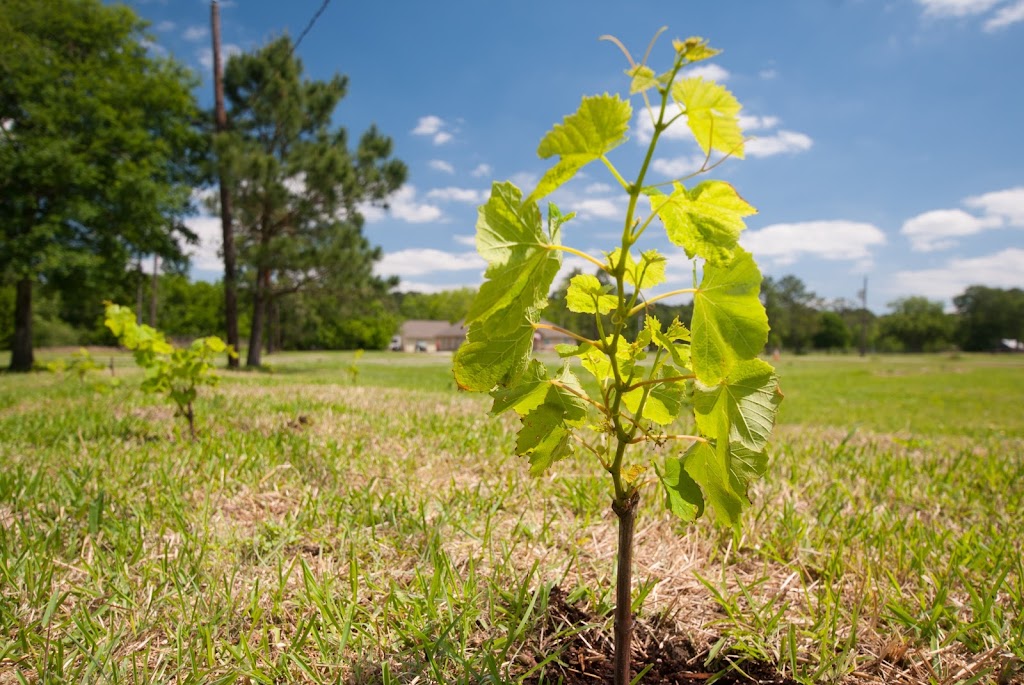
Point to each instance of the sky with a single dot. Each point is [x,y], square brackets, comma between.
[886,137]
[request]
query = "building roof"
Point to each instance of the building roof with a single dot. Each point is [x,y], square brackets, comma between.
[424,329]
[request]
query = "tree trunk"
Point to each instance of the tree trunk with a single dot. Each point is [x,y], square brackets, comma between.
[21,346]
[626,512]
[272,323]
[152,294]
[259,316]
[227,229]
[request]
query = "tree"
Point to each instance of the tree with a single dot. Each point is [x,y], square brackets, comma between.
[918,324]
[792,312]
[832,333]
[98,154]
[295,184]
[447,305]
[987,316]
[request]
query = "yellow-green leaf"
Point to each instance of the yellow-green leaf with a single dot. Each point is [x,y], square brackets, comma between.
[587,295]
[598,126]
[643,78]
[712,113]
[706,221]
[729,322]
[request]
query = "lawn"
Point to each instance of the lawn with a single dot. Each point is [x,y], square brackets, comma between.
[321,530]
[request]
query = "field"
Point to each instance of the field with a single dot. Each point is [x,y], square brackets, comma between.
[377,530]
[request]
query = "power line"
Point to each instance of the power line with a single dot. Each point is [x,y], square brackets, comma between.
[309,26]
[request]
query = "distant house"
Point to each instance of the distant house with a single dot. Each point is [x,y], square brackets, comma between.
[425,335]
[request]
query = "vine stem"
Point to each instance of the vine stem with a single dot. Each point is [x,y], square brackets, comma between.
[565,331]
[579,253]
[625,510]
[655,381]
[640,307]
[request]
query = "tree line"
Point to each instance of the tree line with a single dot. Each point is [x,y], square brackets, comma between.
[102,149]
[801,321]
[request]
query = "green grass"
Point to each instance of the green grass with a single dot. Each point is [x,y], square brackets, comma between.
[320,531]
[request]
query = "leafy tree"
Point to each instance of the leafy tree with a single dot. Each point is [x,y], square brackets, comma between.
[97,149]
[918,324]
[295,183]
[832,333]
[987,316]
[792,312]
[447,305]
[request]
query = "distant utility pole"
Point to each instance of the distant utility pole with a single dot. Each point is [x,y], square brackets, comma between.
[228,231]
[864,318]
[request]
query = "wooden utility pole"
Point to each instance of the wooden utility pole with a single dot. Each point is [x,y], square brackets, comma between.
[228,231]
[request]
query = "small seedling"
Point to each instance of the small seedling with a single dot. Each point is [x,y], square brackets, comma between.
[353,368]
[648,373]
[172,371]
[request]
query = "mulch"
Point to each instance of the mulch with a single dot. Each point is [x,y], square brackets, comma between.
[586,656]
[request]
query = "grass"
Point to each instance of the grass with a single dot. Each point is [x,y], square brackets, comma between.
[320,531]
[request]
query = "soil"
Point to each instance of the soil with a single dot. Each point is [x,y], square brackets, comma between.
[588,656]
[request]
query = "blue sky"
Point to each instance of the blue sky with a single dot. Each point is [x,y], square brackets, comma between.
[888,139]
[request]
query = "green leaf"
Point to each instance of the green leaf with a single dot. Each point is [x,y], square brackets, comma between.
[742,407]
[708,466]
[705,221]
[729,321]
[521,269]
[643,78]
[597,127]
[527,394]
[544,437]
[682,494]
[667,339]
[664,400]
[587,295]
[712,113]
[491,357]
[647,273]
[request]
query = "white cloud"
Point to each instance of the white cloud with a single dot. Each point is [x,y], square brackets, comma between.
[677,167]
[956,8]
[165,26]
[782,142]
[441,165]
[708,72]
[452,194]
[1007,205]
[205,55]
[435,127]
[768,74]
[938,229]
[1006,16]
[431,288]
[750,122]
[428,125]
[481,171]
[468,240]
[421,261]
[596,208]
[206,255]
[772,142]
[597,189]
[404,207]
[836,240]
[1003,269]
[194,34]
